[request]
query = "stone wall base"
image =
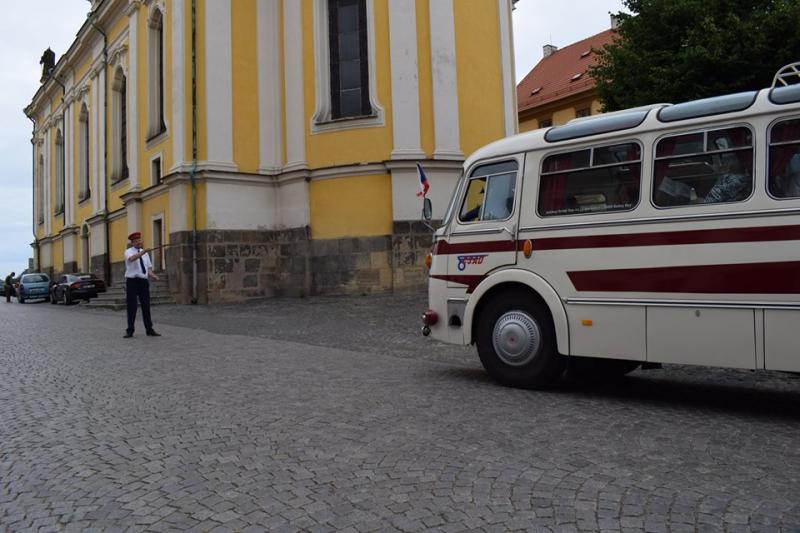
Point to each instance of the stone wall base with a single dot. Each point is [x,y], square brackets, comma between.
[239,265]
[97,266]
[70,267]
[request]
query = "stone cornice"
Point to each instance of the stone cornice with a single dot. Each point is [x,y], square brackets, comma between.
[69,230]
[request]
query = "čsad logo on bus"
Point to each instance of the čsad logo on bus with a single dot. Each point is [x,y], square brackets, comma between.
[464,260]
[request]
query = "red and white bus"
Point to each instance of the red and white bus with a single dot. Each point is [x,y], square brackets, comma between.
[665,234]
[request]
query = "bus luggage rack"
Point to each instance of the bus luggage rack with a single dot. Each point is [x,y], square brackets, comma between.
[788,75]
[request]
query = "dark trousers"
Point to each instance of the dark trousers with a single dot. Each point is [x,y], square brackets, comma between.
[7,288]
[138,288]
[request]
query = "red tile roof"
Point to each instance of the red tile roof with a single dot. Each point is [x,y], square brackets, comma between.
[552,78]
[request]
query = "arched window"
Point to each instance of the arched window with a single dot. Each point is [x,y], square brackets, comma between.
[83,154]
[40,191]
[59,196]
[119,135]
[349,62]
[156,124]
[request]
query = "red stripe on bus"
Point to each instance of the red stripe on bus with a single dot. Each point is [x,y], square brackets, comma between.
[746,278]
[710,236]
[706,236]
[470,281]
[445,248]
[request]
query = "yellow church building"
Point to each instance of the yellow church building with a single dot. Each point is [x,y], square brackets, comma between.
[270,146]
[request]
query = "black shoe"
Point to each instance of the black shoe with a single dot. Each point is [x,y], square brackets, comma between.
[153,333]
[127,335]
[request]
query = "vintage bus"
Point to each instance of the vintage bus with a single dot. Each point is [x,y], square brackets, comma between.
[664,234]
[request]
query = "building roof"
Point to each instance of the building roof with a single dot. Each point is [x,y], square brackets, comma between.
[562,74]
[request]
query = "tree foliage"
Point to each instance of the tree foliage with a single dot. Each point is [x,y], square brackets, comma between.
[679,50]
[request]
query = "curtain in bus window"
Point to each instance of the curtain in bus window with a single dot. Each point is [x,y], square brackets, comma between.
[680,144]
[784,160]
[568,161]
[552,196]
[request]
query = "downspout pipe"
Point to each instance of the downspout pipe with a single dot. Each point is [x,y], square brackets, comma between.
[193,170]
[107,266]
[33,195]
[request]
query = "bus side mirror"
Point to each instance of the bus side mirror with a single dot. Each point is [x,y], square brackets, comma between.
[427,209]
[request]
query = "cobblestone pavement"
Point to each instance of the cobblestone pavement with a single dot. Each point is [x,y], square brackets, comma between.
[333,414]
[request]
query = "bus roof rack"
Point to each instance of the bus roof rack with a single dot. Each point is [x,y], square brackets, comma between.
[786,85]
[621,120]
[788,75]
[620,112]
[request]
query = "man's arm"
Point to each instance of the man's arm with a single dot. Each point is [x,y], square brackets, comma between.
[137,255]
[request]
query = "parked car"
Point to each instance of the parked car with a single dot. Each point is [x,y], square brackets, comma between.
[33,286]
[79,286]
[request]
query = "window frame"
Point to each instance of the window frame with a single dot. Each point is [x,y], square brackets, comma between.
[591,148]
[84,152]
[119,160]
[767,176]
[322,120]
[156,35]
[704,131]
[465,188]
[60,177]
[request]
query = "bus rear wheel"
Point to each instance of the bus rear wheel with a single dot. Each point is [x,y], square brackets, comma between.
[517,343]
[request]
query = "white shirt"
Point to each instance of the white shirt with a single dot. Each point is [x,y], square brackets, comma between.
[133,269]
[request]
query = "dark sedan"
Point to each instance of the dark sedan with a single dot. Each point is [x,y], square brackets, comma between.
[73,287]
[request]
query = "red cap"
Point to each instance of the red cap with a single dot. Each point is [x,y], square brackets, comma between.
[135,235]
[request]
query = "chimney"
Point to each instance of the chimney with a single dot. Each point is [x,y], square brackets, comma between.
[614,21]
[48,63]
[549,49]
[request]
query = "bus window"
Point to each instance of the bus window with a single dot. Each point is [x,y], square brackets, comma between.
[784,160]
[490,193]
[702,168]
[599,179]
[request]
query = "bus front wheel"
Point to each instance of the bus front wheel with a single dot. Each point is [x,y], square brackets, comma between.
[517,343]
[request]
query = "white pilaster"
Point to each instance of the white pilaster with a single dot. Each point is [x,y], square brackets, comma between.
[219,84]
[99,191]
[293,65]
[133,84]
[405,79]
[95,157]
[178,207]
[269,87]
[69,196]
[507,58]
[178,84]
[445,81]
[48,206]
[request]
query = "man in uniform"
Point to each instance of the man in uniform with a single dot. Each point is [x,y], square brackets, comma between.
[138,270]
[8,287]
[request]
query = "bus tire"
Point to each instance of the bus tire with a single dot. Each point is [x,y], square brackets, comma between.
[517,342]
[599,369]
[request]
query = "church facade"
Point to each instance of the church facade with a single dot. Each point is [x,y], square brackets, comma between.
[264,147]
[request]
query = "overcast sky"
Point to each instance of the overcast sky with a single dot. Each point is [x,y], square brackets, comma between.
[28,27]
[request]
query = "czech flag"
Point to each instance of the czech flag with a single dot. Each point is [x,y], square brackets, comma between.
[423,182]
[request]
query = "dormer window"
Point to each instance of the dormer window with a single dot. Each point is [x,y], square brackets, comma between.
[576,77]
[536,91]
[586,53]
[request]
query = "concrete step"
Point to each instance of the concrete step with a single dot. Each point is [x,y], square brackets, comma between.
[114,297]
[119,304]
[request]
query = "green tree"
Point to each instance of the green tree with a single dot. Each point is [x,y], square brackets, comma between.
[679,50]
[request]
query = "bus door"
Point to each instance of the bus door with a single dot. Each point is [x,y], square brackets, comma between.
[484,233]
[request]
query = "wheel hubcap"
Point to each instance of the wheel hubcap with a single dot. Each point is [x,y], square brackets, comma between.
[516,338]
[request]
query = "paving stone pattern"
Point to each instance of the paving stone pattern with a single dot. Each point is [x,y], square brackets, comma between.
[334,415]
